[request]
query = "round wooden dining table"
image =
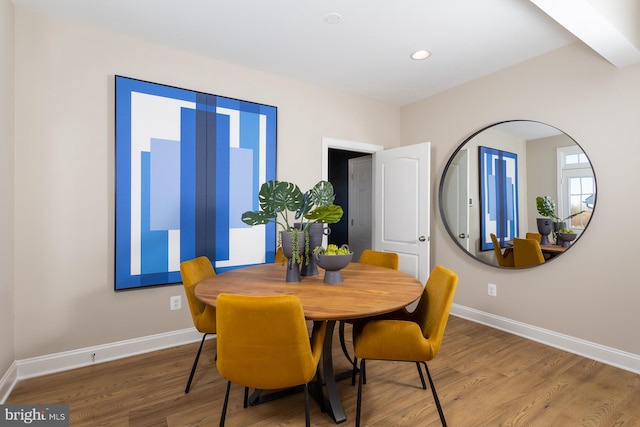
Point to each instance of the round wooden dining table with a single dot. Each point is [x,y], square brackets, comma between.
[366,290]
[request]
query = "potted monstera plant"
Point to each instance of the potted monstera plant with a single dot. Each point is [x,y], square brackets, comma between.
[547,208]
[285,204]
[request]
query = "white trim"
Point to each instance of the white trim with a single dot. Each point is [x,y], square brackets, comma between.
[42,365]
[8,382]
[57,362]
[341,144]
[610,356]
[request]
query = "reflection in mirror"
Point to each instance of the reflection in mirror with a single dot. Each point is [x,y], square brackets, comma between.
[490,186]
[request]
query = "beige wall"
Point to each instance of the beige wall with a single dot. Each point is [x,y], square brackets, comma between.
[592,291]
[64,180]
[64,171]
[7,286]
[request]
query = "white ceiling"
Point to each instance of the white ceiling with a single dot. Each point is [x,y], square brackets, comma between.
[366,53]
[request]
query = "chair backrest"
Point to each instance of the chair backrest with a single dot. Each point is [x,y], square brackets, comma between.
[534,236]
[193,272]
[263,341]
[279,255]
[503,261]
[432,312]
[527,253]
[380,258]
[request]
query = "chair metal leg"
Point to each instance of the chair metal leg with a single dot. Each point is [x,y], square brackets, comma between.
[354,371]
[363,372]
[246,396]
[435,396]
[424,385]
[224,405]
[195,365]
[359,400]
[343,344]
[306,405]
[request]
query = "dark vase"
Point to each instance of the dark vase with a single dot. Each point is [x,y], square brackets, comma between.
[293,268]
[316,231]
[544,228]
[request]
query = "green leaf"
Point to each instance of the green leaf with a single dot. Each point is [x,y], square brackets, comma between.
[281,196]
[322,194]
[258,217]
[325,214]
[546,207]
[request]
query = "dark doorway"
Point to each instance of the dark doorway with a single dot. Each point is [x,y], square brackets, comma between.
[338,176]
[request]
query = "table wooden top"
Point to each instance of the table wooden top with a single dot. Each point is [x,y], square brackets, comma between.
[366,290]
[552,249]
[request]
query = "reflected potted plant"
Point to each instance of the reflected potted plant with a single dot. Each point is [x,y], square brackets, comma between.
[547,208]
[284,203]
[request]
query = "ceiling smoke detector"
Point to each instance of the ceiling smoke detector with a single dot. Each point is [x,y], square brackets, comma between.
[332,18]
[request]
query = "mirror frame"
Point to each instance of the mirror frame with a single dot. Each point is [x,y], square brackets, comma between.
[454,156]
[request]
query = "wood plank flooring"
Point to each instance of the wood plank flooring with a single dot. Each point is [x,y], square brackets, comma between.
[484,377]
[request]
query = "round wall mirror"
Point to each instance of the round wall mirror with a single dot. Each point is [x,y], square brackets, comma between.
[494,181]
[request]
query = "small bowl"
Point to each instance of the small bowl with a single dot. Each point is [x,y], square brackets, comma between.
[565,238]
[332,265]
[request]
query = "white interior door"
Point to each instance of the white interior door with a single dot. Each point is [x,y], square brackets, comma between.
[360,204]
[457,203]
[401,206]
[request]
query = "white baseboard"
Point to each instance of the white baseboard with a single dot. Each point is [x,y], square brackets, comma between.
[610,356]
[8,381]
[42,365]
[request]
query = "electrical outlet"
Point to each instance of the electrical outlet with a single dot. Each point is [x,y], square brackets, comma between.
[175,303]
[492,289]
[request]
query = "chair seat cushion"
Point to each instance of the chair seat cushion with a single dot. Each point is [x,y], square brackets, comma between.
[392,340]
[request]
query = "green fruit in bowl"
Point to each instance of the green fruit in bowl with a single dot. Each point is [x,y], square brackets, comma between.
[332,250]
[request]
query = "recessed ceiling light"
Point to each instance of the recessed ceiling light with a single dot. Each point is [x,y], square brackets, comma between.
[420,54]
[332,18]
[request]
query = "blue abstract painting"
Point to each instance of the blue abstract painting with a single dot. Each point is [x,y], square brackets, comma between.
[498,196]
[187,165]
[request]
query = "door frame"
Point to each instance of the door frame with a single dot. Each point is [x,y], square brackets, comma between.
[341,144]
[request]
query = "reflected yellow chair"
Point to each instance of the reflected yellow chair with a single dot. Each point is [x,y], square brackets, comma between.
[408,336]
[263,343]
[203,315]
[371,257]
[527,253]
[504,259]
[538,238]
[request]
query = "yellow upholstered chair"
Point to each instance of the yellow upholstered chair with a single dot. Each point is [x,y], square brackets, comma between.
[203,315]
[534,236]
[371,257]
[279,255]
[408,336]
[504,259]
[527,253]
[380,258]
[263,343]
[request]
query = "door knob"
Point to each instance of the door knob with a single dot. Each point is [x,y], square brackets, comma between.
[422,238]
[462,235]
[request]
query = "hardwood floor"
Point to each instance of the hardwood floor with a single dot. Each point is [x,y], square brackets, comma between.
[484,377]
